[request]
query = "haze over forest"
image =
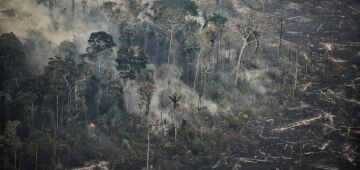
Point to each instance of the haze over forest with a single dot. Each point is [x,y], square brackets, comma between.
[179,84]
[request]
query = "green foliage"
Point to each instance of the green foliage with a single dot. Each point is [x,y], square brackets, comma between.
[211,35]
[10,41]
[109,5]
[53,106]
[100,41]
[230,122]
[146,91]
[198,146]
[24,101]
[218,19]
[60,71]
[190,7]
[12,57]
[192,44]
[171,12]
[124,55]
[129,63]
[10,133]
[12,76]
[217,92]
[10,142]
[191,26]
[186,6]
[247,114]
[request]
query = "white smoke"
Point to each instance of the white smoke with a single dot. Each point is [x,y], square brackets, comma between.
[55,24]
[167,83]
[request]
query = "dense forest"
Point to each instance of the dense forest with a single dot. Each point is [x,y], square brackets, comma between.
[179,84]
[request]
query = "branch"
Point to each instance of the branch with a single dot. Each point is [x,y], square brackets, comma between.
[325,115]
[67,82]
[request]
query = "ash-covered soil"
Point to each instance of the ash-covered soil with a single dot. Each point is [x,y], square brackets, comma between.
[321,128]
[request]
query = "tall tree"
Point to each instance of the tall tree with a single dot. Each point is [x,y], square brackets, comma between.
[12,75]
[146,92]
[63,75]
[250,28]
[12,58]
[169,15]
[219,21]
[100,41]
[129,63]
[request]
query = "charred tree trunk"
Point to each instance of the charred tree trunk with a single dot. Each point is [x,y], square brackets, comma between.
[57,113]
[73,8]
[148,106]
[146,38]
[15,159]
[162,123]
[281,32]
[157,47]
[175,133]
[36,157]
[239,61]
[187,68]
[199,102]
[296,71]
[170,45]
[148,148]
[32,115]
[198,60]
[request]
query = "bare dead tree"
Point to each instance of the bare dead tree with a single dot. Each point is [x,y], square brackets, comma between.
[72,87]
[250,30]
[175,98]
[296,71]
[200,59]
[171,43]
